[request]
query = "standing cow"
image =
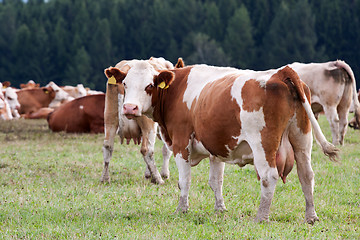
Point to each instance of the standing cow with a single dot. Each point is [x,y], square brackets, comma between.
[229,116]
[333,88]
[142,130]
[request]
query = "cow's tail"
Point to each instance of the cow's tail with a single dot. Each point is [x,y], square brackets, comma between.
[328,148]
[347,68]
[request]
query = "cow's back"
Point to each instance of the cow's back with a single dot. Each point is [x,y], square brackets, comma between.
[32,100]
[82,115]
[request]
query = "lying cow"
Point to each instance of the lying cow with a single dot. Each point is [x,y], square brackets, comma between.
[141,130]
[5,112]
[333,88]
[12,99]
[232,117]
[32,100]
[75,92]
[81,115]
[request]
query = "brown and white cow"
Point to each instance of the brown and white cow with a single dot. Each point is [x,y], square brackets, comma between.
[11,98]
[263,118]
[333,88]
[32,100]
[30,84]
[75,92]
[141,130]
[81,115]
[5,112]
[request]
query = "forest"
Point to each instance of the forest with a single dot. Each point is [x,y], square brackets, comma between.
[73,41]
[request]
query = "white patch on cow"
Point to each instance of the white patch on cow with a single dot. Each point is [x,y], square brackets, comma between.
[251,124]
[60,95]
[81,107]
[199,76]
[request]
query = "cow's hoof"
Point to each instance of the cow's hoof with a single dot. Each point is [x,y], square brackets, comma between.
[312,220]
[261,220]
[165,175]
[105,179]
[220,209]
[158,182]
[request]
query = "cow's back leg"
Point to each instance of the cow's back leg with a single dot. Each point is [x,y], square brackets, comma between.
[343,111]
[268,178]
[148,129]
[166,152]
[216,178]
[333,119]
[302,145]
[184,169]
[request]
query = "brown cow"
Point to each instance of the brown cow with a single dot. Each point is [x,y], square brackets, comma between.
[81,115]
[32,100]
[206,111]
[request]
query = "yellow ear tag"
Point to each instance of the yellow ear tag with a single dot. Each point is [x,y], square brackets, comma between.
[162,85]
[46,91]
[112,80]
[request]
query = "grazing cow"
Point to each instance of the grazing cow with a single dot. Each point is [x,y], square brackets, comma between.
[75,92]
[230,116]
[141,129]
[333,88]
[81,115]
[31,100]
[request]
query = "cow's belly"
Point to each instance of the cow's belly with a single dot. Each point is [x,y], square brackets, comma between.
[241,155]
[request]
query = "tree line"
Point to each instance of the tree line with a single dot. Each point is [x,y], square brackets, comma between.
[72,41]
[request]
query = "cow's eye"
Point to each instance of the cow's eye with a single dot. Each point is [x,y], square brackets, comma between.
[149,87]
[124,84]
[9,98]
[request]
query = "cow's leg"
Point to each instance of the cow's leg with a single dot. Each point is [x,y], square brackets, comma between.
[216,178]
[111,123]
[108,148]
[333,119]
[165,173]
[184,169]
[302,145]
[343,123]
[268,178]
[148,129]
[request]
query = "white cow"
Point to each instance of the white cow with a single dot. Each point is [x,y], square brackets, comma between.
[333,88]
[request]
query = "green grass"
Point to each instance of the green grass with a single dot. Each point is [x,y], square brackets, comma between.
[50,189]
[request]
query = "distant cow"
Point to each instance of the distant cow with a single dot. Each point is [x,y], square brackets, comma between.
[12,99]
[141,130]
[262,118]
[75,92]
[352,122]
[333,88]
[30,84]
[81,115]
[32,100]
[5,112]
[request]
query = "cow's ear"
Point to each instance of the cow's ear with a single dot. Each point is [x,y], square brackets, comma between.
[47,90]
[164,79]
[114,75]
[6,84]
[180,63]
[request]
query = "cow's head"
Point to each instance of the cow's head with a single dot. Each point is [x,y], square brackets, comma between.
[141,82]
[12,98]
[60,95]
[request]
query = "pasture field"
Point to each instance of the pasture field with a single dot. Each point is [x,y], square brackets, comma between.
[50,189]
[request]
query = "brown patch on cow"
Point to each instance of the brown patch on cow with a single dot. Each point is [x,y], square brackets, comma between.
[278,109]
[217,118]
[339,75]
[31,100]
[253,96]
[302,119]
[176,121]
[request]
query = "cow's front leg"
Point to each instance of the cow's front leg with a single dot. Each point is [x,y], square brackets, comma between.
[111,122]
[184,169]
[216,178]
[148,129]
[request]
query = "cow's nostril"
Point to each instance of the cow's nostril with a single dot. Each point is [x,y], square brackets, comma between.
[135,108]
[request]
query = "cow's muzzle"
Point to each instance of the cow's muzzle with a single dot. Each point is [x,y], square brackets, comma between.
[130,110]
